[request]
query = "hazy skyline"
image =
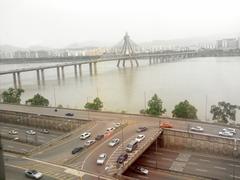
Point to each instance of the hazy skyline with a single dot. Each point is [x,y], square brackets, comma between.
[58,23]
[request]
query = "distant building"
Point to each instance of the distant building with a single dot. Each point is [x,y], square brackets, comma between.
[227,44]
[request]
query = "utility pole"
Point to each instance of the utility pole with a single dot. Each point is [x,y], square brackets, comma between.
[54,96]
[145,103]
[206,109]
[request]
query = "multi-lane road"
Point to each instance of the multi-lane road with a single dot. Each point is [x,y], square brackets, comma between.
[85,161]
[187,163]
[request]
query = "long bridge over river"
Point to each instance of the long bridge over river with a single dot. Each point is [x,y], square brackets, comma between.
[121,54]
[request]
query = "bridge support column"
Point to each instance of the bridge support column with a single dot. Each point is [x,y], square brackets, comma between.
[63,76]
[43,77]
[75,70]
[38,77]
[19,80]
[14,80]
[58,74]
[90,68]
[80,69]
[118,63]
[150,60]
[95,67]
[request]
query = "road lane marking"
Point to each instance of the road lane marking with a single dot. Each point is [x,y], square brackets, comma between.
[202,170]
[218,167]
[10,155]
[192,163]
[234,165]
[204,160]
[237,177]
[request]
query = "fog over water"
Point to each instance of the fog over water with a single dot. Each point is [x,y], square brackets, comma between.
[200,80]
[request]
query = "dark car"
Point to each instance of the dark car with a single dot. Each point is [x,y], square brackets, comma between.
[141,129]
[122,158]
[77,149]
[99,137]
[44,131]
[69,114]
[33,174]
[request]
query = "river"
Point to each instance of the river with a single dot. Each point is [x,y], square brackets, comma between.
[202,81]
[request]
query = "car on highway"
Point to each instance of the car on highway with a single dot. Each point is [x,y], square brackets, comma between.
[110,129]
[44,131]
[69,114]
[114,142]
[166,125]
[99,137]
[123,157]
[34,174]
[231,130]
[141,170]
[101,158]
[141,129]
[31,132]
[89,142]
[85,135]
[132,146]
[107,133]
[13,132]
[197,129]
[116,125]
[225,133]
[77,149]
[140,137]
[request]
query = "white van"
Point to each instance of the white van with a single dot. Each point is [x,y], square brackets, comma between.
[132,145]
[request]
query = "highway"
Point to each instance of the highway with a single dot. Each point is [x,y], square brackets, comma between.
[188,163]
[60,154]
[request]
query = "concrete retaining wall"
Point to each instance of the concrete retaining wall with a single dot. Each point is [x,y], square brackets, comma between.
[201,142]
[41,121]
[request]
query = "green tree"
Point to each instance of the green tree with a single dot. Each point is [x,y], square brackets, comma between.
[155,106]
[185,110]
[97,104]
[12,96]
[223,112]
[38,100]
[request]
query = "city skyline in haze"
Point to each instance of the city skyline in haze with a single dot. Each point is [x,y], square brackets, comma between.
[56,24]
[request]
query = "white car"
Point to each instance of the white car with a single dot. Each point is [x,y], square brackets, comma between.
[197,129]
[116,125]
[110,129]
[33,174]
[89,142]
[114,142]
[13,132]
[140,137]
[31,132]
[225,133]
[101,158]
[85,135]
[231,130]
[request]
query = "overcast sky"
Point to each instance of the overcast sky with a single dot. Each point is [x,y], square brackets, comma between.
[57,23]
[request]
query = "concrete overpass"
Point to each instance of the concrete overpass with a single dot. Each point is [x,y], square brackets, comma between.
[179,136]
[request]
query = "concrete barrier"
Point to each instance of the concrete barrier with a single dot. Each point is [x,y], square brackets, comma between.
[201,142]
[41,121]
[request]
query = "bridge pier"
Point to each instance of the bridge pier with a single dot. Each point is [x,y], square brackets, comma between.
[38,77]
[95,67]
[80,69]
[43,77]
[150,60]
[58,74]
[90,68]
[14,80]
[63,76]
[19,80]
[75,70]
